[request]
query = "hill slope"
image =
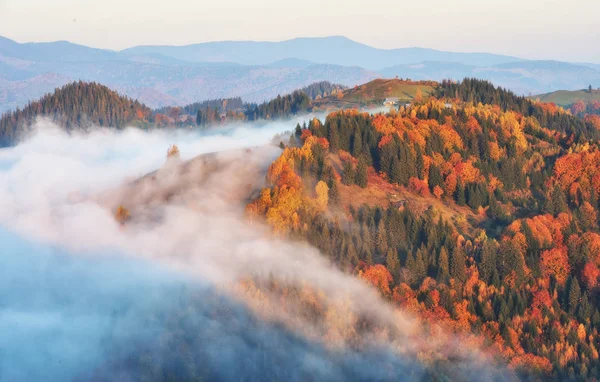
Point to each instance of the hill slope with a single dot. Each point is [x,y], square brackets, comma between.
[375,92]
[76,105]
[481,217]
[569,97]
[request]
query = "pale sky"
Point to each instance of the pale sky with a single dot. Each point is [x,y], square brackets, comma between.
[567,30]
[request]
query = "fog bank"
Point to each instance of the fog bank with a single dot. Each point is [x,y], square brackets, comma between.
[180,289]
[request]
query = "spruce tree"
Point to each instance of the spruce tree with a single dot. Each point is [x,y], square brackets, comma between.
[460,194]
[382,245]
[557,202]
[443,266]
[396,175]
[410,263]
[393,263]
[574,295]
[361,177]
[420,163]
[420,264]
[334,193]
[356,145]
[298,131]
[488,262]
[348,173]
[435,177]
[458,268]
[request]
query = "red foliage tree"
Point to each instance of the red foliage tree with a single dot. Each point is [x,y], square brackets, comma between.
[379,277]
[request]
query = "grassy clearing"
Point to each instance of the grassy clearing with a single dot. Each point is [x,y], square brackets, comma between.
[567,97]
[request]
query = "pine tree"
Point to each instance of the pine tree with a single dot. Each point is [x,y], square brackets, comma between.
[357,145]
[334,193]
[420,264]
[420,163]
[351,258]
[393,263]
[382,245]
[460,194]
[458,268]
[574,295]
[410,263]
[367,254]
[557,202]
[443,266]
[435,177]
[361,177]
[333,137]
[396,171]
[488,262]
[348,173]
[584,312]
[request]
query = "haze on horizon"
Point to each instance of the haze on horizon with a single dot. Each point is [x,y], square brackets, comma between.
[534,29]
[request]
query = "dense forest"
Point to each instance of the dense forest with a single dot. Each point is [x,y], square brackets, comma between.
[588,110]
[76,105]
[81,105]
[322,89]
[476,208]
[234,109]
[221,104]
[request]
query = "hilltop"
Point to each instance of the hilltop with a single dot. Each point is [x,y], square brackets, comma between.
[567,98]
[375,92]
[78,105]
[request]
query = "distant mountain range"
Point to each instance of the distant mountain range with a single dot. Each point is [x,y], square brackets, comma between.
[325,50]
[256,71]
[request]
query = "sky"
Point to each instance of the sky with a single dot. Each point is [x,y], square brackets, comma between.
[535,29]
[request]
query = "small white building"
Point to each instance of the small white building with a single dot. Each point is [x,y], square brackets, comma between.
[391,101]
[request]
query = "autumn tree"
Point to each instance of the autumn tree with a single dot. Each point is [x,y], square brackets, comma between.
[418,96]
[173,152]
[122,215]
[322,194]
[379,277]
[555,262]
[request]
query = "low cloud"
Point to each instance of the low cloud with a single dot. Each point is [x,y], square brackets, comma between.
[182,287]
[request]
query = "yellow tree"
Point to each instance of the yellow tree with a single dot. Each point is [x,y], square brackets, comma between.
[173,152]
[122,214]
[322,194]
[418,95]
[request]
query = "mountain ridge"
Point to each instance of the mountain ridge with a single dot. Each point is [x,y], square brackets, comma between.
[258,71]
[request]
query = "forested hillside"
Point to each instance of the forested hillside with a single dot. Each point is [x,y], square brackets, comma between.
[82,105]
[476,208]
[76,105]
[322,89]
[234,109]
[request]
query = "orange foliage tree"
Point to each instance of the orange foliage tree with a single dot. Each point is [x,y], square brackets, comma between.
[555,262]
[122,214]
[379,277]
